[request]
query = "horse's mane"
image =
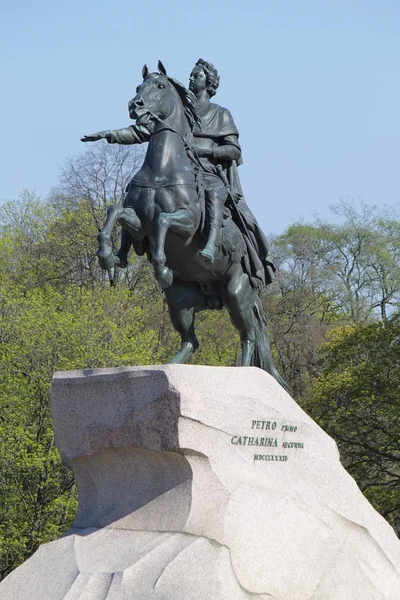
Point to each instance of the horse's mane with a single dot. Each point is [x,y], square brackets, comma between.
[188,100]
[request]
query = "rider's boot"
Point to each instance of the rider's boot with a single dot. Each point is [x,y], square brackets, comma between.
[208,252]
[122,254]
[215,213]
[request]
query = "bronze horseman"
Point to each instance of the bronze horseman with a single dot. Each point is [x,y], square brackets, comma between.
[185,209]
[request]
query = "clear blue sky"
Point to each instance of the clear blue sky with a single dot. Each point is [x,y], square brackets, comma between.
[324,76]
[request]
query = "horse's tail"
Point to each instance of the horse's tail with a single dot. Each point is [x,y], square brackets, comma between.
[262,356]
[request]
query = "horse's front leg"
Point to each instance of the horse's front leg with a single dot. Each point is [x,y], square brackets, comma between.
[181,222]
[116,212]
[104,250]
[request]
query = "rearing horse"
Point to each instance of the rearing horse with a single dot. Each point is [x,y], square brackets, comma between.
[163,215]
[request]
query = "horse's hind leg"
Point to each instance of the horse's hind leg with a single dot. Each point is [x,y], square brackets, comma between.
[183,299]
[183,322]
[239,300]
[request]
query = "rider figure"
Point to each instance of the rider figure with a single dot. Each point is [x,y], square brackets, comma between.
[217,145]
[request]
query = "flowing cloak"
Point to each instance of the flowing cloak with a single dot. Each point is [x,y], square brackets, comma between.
[217,123]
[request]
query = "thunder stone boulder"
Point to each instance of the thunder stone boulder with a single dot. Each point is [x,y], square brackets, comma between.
[204,483]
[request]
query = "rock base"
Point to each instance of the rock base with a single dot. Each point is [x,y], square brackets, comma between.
[203,483]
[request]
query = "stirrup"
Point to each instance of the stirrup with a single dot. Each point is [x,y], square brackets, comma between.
[207,254]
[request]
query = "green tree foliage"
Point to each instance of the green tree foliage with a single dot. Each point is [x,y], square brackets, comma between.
[331,274]
[356,399]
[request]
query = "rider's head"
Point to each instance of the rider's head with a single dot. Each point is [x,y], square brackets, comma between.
[205,71]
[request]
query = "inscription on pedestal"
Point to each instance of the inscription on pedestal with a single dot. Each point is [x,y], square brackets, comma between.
[275,438]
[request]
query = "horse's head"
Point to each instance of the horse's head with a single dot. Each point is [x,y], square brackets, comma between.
[155,96]
[160,96]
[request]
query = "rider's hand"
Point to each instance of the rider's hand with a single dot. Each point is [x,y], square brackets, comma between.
[94,137]
[202,151]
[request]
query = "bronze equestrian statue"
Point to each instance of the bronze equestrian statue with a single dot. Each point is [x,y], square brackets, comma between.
[185,210]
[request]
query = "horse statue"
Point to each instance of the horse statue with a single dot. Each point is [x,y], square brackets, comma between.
[163,216]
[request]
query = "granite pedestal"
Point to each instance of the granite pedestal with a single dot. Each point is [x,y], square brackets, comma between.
[204,483]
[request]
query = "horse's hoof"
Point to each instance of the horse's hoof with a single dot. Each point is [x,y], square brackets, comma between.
[208,255]
[164,277]
[107,262]
[185,352]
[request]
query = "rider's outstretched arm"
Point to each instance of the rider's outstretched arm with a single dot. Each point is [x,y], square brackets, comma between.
[127,135]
